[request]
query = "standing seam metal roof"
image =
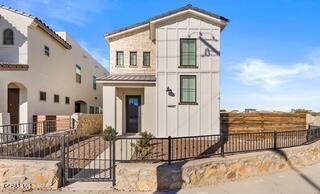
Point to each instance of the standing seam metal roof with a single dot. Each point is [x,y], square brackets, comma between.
[167,14]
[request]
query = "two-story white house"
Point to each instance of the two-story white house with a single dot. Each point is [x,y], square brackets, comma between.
[43,72]
[165,75]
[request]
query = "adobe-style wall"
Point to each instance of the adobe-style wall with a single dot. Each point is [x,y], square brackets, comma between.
[212,171]
[259,122]
[26,175]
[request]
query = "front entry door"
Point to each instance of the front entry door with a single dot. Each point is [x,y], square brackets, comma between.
[133,114]
[13,105]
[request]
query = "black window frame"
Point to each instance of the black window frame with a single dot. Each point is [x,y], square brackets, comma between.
[117,58]
[188,66]
[4,41]
[46,50]
[94,82]
[43,96]
[143,56]
[91,110]
[56,98]
[67,100]
[78,76]
[181,92]
[136,53]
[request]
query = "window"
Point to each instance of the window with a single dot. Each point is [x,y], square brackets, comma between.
[188,89]
[133,58]
[94,82]
[56,98]
[188,52]
[67,100]
[8,37]
[120,58]
[46,51]
[97,110]
[43,96]
[78,74]
[91,111]
[146,59]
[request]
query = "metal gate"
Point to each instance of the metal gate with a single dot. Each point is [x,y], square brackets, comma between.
[88,158]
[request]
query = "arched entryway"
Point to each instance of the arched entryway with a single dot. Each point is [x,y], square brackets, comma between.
[80,106]
[17,103]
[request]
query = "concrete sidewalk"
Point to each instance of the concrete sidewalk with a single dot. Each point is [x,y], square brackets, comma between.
[302,181]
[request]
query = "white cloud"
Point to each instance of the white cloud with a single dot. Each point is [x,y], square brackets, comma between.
[258,72]
[75,12]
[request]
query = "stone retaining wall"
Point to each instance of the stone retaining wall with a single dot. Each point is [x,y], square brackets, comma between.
[211,171]
[26,175]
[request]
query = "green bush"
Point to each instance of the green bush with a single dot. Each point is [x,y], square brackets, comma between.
[109,133]
[143,147]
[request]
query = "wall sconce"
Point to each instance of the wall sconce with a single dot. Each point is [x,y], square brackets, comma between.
[168,89]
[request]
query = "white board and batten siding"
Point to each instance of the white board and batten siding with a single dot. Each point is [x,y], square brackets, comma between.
[187,120]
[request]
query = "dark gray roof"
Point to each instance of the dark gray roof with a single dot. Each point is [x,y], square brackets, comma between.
[128,77]
[43,25]
[189,6]
[13,67]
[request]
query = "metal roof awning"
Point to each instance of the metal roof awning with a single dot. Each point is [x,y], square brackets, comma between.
[128,80]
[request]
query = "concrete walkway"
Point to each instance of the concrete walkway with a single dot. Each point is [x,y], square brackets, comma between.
[303,181]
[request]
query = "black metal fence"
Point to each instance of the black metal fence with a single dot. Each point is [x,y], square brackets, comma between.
[93,158]
[183,148]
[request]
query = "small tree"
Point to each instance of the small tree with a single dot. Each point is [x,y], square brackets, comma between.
[143,147]
[109,133]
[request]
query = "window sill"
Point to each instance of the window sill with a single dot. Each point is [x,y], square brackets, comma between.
[133,66]
[119,66]
[188,67]
[188,103]
[144,66]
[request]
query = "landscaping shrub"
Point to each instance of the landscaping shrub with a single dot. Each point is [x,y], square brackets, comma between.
[143,147]
[109,133]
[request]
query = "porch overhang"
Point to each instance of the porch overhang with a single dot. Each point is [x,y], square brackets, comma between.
[127,80]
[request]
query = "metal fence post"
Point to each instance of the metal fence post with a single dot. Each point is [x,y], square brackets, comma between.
[63,165]
[222,144]
[275,140]
[114,160]
[169,150]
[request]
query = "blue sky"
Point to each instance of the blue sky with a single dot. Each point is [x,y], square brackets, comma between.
[270,50]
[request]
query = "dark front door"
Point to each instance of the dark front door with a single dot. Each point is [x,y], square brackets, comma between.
[13,105]
[133,114]
[77,107]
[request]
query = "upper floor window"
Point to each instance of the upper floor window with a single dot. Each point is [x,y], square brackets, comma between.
[133,58]
[46,50]
[67,100]
[94,82]
[56,98]
[120,58]
[188,52]
[43,96]
[8,37]
[78,74]
[188,88]
[146,59]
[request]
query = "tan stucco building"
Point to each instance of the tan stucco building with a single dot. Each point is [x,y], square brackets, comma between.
[43,72]
[165,75]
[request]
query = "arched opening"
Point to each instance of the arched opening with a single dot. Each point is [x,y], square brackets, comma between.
[17,102]
[8,37]
[80,106]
